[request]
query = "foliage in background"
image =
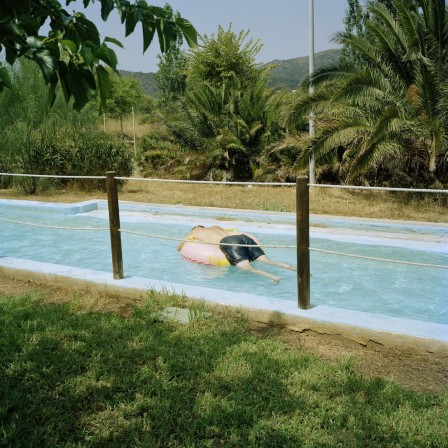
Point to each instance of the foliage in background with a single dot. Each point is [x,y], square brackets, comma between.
[241,120]
[124,96]
[354,22]
[171,77]
[72,54]
[96,152]
[227,115]
[58,141]
[29,132]
[385,122]
[160,154]
[284,74]
[381,116]
[223,57]
[355,19]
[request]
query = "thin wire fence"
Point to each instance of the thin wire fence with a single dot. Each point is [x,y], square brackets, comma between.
[54,176]
[212,182]
[426,238]
[267,246]
[32,224]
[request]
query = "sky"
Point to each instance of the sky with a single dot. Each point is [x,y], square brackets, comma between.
[282,26]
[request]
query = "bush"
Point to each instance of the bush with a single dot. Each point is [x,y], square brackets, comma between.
[56,141]
[5,181]
[62,152]
[40,150]
[45,158]
[97,152]
[158,153]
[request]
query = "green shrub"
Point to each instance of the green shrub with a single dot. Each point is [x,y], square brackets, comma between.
[48,158]
[97,152]
[63,152]
[173,150]
[5,181]
[158,153]
[186,134]
[41,150]
[56,141]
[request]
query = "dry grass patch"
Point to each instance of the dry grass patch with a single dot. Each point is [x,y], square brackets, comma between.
[367,204]
[114,126]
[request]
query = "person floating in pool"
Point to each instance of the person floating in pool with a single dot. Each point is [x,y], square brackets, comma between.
[229,243]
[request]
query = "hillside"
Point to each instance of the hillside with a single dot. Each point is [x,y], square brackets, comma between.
[146,80]
[286,74]
[290,73]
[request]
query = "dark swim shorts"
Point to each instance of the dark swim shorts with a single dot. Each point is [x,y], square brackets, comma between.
[237,254]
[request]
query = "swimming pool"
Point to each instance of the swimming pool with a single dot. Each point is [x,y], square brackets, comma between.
[397,290]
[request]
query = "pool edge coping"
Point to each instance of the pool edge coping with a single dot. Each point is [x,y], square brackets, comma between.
[47,273]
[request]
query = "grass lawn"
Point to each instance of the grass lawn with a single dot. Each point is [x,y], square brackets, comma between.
[78,377]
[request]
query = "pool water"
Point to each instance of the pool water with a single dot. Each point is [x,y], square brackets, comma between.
[412,292]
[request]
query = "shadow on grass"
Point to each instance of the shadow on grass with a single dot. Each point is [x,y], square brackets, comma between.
[99,380]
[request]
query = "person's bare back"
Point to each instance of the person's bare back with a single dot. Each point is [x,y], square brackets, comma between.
[215,235]
[212,234]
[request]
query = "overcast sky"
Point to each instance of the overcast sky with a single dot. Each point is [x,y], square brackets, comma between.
[282,26]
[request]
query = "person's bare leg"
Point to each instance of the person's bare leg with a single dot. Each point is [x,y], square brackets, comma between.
[280,264]
[246,266]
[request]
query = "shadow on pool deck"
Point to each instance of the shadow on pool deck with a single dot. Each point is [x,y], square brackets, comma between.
[357,326]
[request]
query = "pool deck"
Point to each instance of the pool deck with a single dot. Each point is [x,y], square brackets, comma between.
[358,326]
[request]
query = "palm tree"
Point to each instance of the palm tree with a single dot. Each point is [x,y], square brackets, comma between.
[238,121]
[391,108]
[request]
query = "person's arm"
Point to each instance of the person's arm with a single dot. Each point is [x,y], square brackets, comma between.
[190,236]
[181,244]
[245,265]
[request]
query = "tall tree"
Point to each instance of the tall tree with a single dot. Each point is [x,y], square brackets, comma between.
[125,93]
[228,115]
[354,22]
[228,100]
[393,110]
[72,53]
[223,56]
[171,76]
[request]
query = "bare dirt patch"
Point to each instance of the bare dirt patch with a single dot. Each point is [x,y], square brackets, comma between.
[410,368]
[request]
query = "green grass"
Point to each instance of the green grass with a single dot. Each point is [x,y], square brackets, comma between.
[70,378]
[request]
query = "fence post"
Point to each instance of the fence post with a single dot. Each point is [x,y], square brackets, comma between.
[114,225]
[303,241]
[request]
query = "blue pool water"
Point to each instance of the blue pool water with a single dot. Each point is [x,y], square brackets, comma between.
[399,290]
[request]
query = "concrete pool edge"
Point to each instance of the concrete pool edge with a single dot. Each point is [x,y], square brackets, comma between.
[358,326]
